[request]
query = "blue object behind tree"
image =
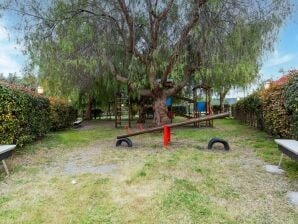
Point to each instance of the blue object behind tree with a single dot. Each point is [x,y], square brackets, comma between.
[169,101]
[201,106]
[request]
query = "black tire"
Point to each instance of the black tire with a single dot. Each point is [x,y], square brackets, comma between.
[126,140]
[218,140]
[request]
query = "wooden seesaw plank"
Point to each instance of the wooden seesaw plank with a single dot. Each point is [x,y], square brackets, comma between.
[190,121]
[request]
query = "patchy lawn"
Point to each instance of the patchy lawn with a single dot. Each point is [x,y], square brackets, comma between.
[79,176]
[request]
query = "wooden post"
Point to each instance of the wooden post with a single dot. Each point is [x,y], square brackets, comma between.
[5,167]
[195,106]
[115,110]
[129,111]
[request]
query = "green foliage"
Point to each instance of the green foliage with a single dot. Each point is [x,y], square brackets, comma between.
[26,116]
[234,61]
[91,43]
[61,114]
[291,103]
[217,108]
[274,110]
[249,110]
[276,119]
[23,115]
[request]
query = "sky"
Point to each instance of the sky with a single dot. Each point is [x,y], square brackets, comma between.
[284,57]
[12,60]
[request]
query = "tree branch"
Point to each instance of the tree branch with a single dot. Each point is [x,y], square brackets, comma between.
[187,74]
[184,33]
[130,24]
[154,21]
[131,39]
[30,14]
[103,14]
[113,70]
[189,70]
[165,12]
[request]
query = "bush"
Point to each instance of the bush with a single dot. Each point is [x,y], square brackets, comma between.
[291,102]
[276,119]
[26,116]
[23,115]
[249,110]
[61,114]
[274,110]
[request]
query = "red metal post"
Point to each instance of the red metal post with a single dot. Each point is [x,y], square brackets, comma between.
[166,135]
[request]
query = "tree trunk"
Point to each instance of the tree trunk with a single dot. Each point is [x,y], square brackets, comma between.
[222,97]
[208,103]
[88,114]
[142,112]
[222,102]
[160,108]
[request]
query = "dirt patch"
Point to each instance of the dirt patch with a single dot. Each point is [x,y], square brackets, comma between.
[83,160]
[72,168]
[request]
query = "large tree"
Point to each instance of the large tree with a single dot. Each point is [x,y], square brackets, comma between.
[235,63]
[143,43]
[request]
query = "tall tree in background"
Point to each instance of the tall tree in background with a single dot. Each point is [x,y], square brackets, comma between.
[235,62]
[143,43]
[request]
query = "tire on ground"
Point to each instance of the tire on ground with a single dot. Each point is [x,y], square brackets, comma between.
[125,140]
[218,140]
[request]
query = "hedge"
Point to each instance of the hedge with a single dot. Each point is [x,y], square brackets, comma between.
[25,115]
[291,103]
[249,110]
[61,114]
[276,119]
[273,110]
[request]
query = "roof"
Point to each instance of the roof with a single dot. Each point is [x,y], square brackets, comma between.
[282,80]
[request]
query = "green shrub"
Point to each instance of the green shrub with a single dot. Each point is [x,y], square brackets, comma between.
[276,119]
[61,114]
[249,110]
[291,102]
[26,116]
[23,115]
[274,110]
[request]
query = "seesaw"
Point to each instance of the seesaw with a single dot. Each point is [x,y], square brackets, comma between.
[166,128]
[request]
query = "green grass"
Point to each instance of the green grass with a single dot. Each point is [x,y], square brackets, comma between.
[185,197]
[243,136]
[186,184]
[73,138]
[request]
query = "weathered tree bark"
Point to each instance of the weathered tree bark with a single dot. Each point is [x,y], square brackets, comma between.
[159,96]
[160,111]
